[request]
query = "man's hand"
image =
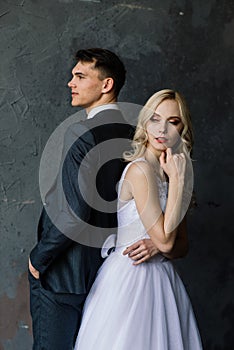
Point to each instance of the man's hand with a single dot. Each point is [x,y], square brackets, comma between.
[33,271]
[141,251]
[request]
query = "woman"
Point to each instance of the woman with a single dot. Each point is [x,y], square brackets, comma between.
[146,307]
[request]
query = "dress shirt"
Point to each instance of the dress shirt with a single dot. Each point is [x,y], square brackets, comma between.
[101,108]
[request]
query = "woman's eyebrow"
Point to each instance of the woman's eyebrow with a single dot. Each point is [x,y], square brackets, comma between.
[171,116]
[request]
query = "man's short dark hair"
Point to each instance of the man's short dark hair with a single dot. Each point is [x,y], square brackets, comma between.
[108,64]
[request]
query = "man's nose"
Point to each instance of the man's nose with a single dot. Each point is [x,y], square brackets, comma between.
[70,84]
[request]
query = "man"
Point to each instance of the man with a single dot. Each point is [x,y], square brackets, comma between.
[67,256]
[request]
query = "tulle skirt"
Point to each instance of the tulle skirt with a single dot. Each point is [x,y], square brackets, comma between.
[142,307]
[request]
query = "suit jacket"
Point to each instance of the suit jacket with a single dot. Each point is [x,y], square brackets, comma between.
[67,254]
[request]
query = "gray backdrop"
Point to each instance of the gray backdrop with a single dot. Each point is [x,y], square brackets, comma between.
[187,45]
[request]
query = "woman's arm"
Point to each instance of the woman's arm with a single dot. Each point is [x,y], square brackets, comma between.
[145,249]
[162,228]
[181,245]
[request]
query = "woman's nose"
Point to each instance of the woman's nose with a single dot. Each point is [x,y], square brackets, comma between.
[163,127]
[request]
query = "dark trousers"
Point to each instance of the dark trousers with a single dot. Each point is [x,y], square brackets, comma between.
[56,317]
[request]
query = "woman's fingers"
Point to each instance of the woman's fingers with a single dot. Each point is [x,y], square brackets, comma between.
[145,258]
[169,152]
[136,255]
[172,164]
[162,159]
[133,247]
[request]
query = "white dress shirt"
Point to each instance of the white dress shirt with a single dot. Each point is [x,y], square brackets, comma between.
[101,108]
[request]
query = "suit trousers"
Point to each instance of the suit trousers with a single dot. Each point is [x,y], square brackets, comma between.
[55,317]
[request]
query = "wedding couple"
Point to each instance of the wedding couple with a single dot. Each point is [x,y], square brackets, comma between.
[134,299]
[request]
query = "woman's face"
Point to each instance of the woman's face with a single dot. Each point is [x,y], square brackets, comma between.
[164,127]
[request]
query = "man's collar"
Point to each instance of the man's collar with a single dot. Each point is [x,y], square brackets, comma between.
[101,108]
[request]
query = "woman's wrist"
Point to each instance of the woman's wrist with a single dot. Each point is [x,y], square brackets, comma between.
[177,179]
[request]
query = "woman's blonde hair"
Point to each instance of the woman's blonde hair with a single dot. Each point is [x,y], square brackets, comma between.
[141,137]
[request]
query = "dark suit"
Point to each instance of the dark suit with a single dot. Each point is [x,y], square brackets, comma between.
[68,251]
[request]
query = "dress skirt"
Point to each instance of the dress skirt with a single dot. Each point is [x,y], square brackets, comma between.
[143,307]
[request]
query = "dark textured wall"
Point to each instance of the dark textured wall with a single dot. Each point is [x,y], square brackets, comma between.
[187,45]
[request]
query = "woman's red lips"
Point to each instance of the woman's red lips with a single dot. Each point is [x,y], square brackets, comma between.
[161,139]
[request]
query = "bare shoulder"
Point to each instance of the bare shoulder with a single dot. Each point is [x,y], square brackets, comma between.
[138,170]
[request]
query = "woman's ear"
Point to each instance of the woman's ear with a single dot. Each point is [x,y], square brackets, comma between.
[108,84]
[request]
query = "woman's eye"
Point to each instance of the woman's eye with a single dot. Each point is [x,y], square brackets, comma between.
[154,119]
[174,122]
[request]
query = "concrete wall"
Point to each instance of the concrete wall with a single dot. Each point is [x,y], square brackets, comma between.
[187,45]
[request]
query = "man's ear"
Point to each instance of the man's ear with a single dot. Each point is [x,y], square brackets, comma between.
[108,84]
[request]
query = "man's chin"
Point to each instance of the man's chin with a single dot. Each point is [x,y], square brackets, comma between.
[74,104]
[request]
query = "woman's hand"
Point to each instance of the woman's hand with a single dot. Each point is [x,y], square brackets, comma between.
[173,164]
[141,251]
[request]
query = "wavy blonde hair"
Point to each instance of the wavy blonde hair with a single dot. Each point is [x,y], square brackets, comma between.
[141,137]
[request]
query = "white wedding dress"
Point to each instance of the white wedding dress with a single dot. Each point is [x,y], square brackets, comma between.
[142,307]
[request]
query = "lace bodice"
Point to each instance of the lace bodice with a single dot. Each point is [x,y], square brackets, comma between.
[130,226]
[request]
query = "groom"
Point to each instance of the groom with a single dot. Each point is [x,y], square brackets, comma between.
[64,262]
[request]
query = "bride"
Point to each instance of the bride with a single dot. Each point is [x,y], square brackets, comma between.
[146,307]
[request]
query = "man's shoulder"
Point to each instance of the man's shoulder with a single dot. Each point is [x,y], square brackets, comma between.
[108,118]
[106,124]
[78,134]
